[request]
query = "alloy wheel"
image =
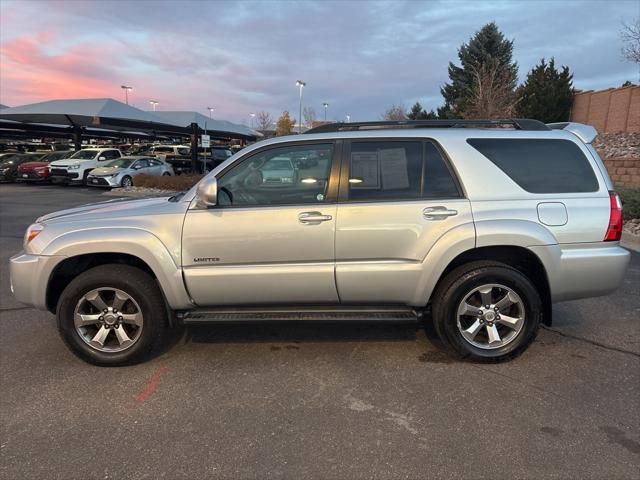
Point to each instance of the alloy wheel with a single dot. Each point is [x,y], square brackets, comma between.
[108,319]
[490,316]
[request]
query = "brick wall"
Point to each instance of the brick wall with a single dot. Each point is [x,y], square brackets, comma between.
[612,110]
[624,172]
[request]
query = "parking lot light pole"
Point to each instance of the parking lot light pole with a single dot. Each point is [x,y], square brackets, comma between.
[154,104]
[210,112]
[253,116]
[126,89]
[348,118]
[325,105]
[300,84]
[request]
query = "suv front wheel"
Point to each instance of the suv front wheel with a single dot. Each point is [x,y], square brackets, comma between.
[113,315]
[486,311]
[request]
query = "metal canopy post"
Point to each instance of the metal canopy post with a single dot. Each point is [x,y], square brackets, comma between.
[194,147]
[77,138]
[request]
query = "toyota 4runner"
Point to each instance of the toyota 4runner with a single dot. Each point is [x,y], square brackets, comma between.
[480,226]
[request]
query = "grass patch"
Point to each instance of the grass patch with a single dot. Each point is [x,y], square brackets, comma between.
[177,183]
[630,202]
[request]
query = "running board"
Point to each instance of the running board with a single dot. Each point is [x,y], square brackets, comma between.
[303,314]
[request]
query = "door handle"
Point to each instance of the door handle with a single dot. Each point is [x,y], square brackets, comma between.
[438,213]
[313,218]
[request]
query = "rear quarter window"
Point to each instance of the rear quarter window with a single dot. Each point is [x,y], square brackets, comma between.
[539,165]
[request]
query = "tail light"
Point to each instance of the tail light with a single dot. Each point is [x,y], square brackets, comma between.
[614,231]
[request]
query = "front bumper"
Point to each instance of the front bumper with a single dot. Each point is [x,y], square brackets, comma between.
[584,269]
[106,182]
[29,276]
[61,175]
[30,177]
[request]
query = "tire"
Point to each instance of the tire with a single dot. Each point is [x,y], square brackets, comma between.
[126,181]
[470,283]
[85,175]
[145,297]
[166,174]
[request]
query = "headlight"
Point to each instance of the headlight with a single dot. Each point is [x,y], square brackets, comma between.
[32,232]
[74,167]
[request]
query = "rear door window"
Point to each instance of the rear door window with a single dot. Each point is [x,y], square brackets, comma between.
[398,170]
[539,165]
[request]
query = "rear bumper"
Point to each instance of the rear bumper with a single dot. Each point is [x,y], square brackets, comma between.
[29,275]
[583,270]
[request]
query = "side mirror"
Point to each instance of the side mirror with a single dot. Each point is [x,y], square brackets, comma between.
[207,192]
[102,158]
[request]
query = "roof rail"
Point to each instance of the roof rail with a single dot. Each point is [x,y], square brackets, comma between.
[517,123]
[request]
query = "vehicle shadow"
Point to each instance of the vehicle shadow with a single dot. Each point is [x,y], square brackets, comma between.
[300,332]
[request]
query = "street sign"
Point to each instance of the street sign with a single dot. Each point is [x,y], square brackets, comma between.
[205,141]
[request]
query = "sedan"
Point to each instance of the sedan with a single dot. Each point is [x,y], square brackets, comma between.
[120,172]
[39,171]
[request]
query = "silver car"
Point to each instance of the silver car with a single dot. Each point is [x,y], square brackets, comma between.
[120,172]
[479,230]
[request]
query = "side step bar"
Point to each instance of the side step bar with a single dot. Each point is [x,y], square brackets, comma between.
[304,314]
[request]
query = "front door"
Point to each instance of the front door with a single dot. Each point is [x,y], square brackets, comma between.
[397,198]
[270,239]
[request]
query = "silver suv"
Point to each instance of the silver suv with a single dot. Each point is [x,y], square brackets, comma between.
[479,227]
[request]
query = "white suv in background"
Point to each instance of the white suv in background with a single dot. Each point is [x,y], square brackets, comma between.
[76,168]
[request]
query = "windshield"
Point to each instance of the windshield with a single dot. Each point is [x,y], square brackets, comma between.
[84,155]
[119,163]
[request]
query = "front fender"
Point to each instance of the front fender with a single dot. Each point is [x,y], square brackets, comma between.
[131,241]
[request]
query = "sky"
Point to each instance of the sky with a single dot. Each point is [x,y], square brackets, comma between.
[242,57]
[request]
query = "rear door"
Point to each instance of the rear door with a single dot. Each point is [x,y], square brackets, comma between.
[397,198]
[270,240]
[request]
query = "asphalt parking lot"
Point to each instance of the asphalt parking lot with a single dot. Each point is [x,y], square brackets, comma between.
[317,400]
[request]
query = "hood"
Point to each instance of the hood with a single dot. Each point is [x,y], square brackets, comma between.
[67,161]
[100,171]
[32,165]
[110,208]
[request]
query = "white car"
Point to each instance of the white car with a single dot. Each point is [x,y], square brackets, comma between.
[76,168]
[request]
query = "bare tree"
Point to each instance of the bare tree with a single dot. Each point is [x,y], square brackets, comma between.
[265,120]
[309,115]
[490,95]
[630,35]
[395,112]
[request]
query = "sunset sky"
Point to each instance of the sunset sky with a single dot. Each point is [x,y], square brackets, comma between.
[243,57]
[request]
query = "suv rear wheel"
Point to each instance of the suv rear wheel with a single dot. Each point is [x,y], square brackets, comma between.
[486,311]
[112,315]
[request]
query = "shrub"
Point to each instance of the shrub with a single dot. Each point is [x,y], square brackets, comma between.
[173,182]
[630,201]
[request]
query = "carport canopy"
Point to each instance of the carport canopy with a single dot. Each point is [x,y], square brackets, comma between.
[85,116]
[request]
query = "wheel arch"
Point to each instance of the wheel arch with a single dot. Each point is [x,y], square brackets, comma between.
[520,258]
[89,248]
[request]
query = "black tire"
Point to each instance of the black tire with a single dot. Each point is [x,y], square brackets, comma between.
[458,283]
[166,174]
[126,180]
[136,283]
[85,175]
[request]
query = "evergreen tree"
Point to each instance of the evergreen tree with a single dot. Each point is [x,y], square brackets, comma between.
[487,46]
[419,113]
[546,94]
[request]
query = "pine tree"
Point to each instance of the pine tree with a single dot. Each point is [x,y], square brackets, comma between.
[546,94]
[419,113]
[487,46]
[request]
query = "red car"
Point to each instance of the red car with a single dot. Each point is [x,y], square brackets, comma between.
[39,171]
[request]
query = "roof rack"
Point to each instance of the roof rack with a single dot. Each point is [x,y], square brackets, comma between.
[517,123]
